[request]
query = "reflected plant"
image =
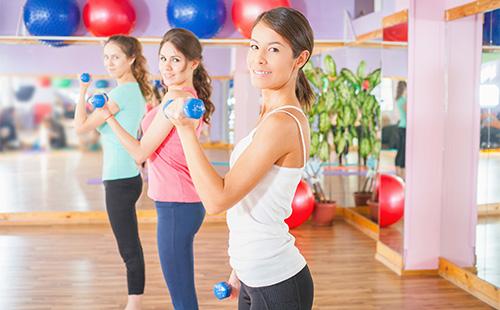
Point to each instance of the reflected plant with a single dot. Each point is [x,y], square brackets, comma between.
[345,110]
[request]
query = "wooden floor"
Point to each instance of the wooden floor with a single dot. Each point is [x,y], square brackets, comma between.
[61,181]
[88,275]
[78,267]
[392,236]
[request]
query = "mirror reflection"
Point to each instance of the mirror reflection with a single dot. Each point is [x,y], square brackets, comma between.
[488,178]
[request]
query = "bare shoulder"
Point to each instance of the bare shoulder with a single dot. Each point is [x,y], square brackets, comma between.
[282,127]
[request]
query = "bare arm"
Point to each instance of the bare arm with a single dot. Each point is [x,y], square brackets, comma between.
[219,194]
[155,134]
[85,123]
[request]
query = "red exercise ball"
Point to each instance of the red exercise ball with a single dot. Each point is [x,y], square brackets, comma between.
[44,81]
[396,33]
[245,12]
[391,199]
[302,205]
[105,18]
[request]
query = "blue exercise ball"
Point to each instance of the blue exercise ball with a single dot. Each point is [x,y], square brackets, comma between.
[491,28]
[51,18]
[204,18]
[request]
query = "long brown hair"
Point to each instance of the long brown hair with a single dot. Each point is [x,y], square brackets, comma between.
[189,45]
[133,49]
[296,30]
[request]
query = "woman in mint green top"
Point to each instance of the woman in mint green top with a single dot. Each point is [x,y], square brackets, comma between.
[117,163]
[401,105]
[125,62]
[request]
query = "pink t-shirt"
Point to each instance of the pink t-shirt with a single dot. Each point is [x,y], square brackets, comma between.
[168,175]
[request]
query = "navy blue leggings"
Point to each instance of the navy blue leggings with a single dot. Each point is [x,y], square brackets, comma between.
[177,225]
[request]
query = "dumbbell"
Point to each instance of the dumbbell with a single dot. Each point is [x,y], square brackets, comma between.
[85,77]
[193,108]
[98,100]
[222,290]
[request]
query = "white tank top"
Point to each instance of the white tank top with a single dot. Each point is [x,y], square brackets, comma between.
[261,250]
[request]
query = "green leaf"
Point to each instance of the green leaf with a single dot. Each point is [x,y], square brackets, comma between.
[364,147]
[324,122]
[341,144]
[324,151]
[361,70]
[331,67]
[349,76]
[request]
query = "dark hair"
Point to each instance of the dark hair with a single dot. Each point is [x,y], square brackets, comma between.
[189,45]
[133,49]
[400,89]
[296,30]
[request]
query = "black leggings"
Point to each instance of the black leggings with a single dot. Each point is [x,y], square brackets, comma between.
[401,154]
[296,293]
[121,196]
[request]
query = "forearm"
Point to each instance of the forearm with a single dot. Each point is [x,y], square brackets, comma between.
[131,144]
[209,185]
[80,111]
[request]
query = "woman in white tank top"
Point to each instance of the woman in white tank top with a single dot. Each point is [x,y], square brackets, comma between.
[265,168]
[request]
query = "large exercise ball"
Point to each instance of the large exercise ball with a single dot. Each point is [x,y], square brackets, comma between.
[24,93]
[51,18]
[105,18]
[391,199]
[302,205]
[61,82]
[491,28]
[396,33]
[204,18]
[245,12]
[44,81]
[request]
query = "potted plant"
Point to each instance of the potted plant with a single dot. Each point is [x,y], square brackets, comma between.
[345,110]
[358,96]
[320,119]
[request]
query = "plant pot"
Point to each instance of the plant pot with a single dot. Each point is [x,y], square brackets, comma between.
[373,210]
[361,198]
[324,212]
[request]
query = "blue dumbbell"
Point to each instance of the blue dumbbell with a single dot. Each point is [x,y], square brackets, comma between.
[85,77]
[98,100]
[193,108]
[222,290]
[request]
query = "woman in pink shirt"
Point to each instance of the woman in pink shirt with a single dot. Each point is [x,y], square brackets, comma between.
[180,211]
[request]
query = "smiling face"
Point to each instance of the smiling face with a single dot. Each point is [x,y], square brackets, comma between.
[270,59]
[116,62]
[175,68]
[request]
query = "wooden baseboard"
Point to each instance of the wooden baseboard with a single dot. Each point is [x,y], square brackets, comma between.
[390,258]
[488,209]
[86,217]
[469,282]
[360,222]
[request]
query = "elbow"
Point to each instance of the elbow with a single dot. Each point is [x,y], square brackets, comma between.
[140,159]
[214,208]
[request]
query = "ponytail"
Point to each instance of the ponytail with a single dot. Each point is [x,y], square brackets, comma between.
[303,91]
[203,87]
[140,72]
